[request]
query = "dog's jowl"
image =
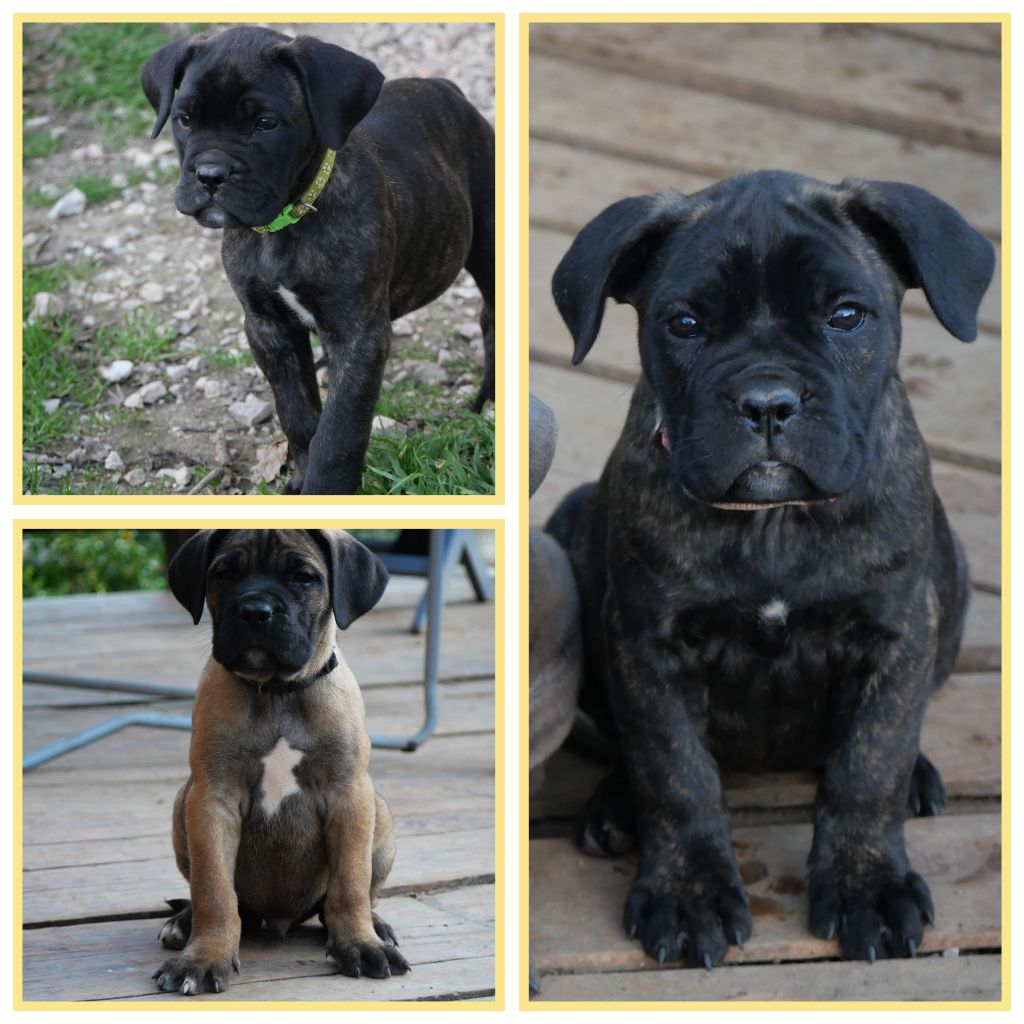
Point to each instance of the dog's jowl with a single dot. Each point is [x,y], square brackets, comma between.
[278,821]
[346,201]
[768,578]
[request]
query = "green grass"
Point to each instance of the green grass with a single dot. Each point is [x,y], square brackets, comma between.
[225,359]
[449,452]
[91,561]
[97,190]
[92,69]
[57,363]
[137,337]
[38,144]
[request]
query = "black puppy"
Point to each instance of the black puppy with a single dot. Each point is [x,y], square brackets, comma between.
[341,244]
[768,577]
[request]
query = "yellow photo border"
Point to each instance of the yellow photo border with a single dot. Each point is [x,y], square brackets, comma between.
[271,500]
[525,21]
[498,1003]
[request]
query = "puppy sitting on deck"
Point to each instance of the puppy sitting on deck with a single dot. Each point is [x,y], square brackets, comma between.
[278,820]
[768,578]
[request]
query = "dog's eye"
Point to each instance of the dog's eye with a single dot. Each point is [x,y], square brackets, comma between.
[184,120]
[304,576]
[846,318]
[265,124]
[684,325]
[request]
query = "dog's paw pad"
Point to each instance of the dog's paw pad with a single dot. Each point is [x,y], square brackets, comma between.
[927,796]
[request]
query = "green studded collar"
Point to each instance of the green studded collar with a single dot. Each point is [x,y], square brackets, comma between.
[294,212]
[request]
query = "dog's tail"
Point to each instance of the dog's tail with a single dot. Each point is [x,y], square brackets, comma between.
[565,519]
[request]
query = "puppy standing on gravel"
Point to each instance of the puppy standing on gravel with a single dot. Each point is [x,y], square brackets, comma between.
[768,578]
[346,202]
[278,820]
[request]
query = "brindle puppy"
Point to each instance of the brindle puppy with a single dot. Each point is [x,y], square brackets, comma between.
[768,576]
[278,820]
[409,203]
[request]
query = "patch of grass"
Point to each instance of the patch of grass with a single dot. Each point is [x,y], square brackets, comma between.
[225,359]
[91,561]
[38,197]
[97,190]
[137,338]
[36,279]
[447,456]
[39,144]
[93,69]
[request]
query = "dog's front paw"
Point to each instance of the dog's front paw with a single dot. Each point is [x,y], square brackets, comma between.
[194,973]
[378,959]
[882,920]
[692,911]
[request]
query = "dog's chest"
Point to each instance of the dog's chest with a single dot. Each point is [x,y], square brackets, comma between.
[770,676]
[278,780]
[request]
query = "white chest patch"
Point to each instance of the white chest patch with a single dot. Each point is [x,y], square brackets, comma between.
[279,775]
[291,300]
[774,610]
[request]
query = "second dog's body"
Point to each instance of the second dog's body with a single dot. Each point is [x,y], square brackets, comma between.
[278,820]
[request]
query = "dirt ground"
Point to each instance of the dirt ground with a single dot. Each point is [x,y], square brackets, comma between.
[200,402]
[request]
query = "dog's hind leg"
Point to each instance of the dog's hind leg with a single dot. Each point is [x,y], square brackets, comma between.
[480,265]
[927,796]
[607,825]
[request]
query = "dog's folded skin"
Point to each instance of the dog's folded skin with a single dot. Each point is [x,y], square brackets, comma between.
[409,203]
[768,578]
[278,820]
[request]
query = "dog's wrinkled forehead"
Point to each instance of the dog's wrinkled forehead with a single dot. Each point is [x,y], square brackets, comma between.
[235,64]
[268,552]
[754,239]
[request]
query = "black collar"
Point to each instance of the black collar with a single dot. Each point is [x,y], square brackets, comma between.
[279,686]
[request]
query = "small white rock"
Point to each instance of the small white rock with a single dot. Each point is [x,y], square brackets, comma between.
[470,330]
[113,461]
[211,389]
[117,371]
[135,209]
[152,292]
[51,405]
[146,395]
[71,204]
[179,476]
[135,477]
[161,147]
[402,328]
[195,364]
[252,411]
[45,306]
[386,425]
[176,373]
[120,180]
[111,243]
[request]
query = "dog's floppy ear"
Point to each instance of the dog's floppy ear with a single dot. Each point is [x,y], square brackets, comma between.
[605,261]
[340,87]
[162,74]
[358,576]
[186,575]
[932,246]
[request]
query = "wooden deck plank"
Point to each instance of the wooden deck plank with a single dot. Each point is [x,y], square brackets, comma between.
[569,103]
[579,928]
[953,979]
[962,735]
[979,37]
[448,937]
[570,185]
[845,73]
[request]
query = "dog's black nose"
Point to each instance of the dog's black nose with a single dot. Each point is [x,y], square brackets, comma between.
[767,407]
[255,611]
[212,174]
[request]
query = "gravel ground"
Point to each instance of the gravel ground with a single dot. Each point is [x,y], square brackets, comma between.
[200,402]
